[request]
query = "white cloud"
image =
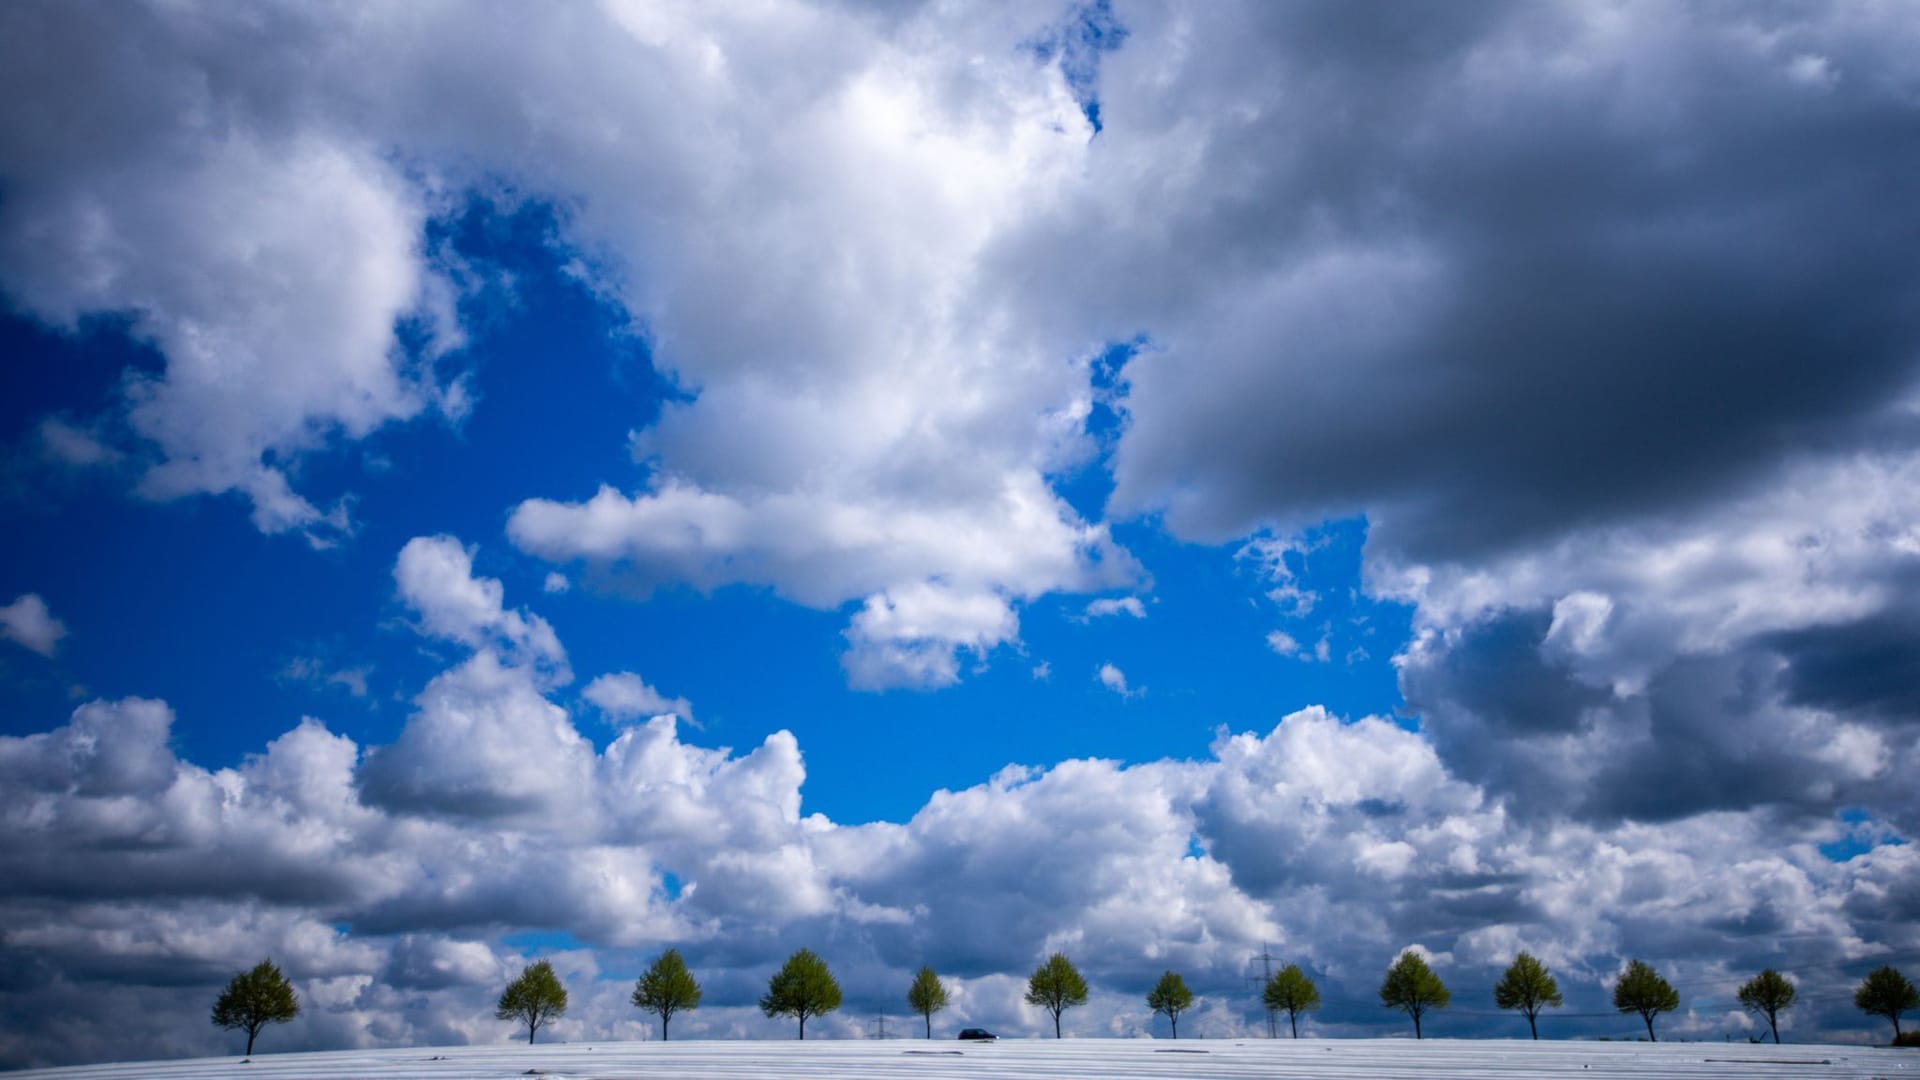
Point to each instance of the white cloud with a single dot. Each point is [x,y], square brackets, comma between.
[268,261]
[912,637]
[556,582]
[626,696]
[316,671]
[435,578]
[1289,646]
[1122,605]
[1116,680]
[1336,842]
[27,622]
[73,445]
[1271,554]
[484,744]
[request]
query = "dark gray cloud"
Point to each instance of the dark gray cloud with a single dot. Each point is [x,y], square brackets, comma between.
[1490,274]
[1705,733]
[1866,665]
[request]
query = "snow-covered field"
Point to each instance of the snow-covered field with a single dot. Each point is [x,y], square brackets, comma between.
[1185,1060]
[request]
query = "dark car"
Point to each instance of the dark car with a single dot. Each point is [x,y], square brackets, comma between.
[978,1034]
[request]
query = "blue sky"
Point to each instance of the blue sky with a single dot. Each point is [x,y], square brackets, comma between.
[247,631]
[941,486]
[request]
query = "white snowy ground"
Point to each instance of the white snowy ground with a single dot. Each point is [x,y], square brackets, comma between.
[1191,1059]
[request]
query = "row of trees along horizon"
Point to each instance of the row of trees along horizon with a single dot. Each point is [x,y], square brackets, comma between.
[805,988]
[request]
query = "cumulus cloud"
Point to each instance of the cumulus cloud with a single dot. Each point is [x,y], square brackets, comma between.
[1394,297]
[1116,605]
[1289,646]
[800,458]
[391,892]
[1115,680]
[27,622]
[913,637]
[435,578]
[626,696]
[267,260]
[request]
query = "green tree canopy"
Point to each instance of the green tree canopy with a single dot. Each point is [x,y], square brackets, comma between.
[666,988]
[1171,996]
[1290,989]
[800,989]
[1412,987]
[1642,990]
[926,996]
[254,999]
[1886,992]
[533,999]
[1768,994]
[1529,987]
[1056,986]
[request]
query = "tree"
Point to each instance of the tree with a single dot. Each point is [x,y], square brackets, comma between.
[1769,994]
[1529,987]
[1642,990]
[1886,993]
[802,988]
[1293,991]
[1172,997]
[926,996]
[533,999]
[666,988]
[1412,987]
[254,999]
[1056,987]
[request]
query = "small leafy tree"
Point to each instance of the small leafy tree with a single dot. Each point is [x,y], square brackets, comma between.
[1056,986]
[800,989]
[1886,993]
[1642,990]
[1529,987]
[533,999]
[1413,988]
[666,988]
[1171,996]
[1291,990]
[926,996]
[1769,995]
[254,999]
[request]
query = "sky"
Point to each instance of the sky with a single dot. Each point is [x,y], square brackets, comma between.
[943,484]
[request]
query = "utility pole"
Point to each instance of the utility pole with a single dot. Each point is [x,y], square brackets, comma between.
[879,1026]
[1266,958]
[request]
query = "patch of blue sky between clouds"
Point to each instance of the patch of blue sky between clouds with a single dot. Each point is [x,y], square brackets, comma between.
[1861,832]
[1077,43]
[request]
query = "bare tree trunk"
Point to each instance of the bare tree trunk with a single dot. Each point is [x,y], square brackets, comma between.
[252,1031]
[1776,1028]
[1533,1027]
[929,1015]
[1416,1025]
[1056,1026]
[1648,1017]
[803,1027]
[1294,1019]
